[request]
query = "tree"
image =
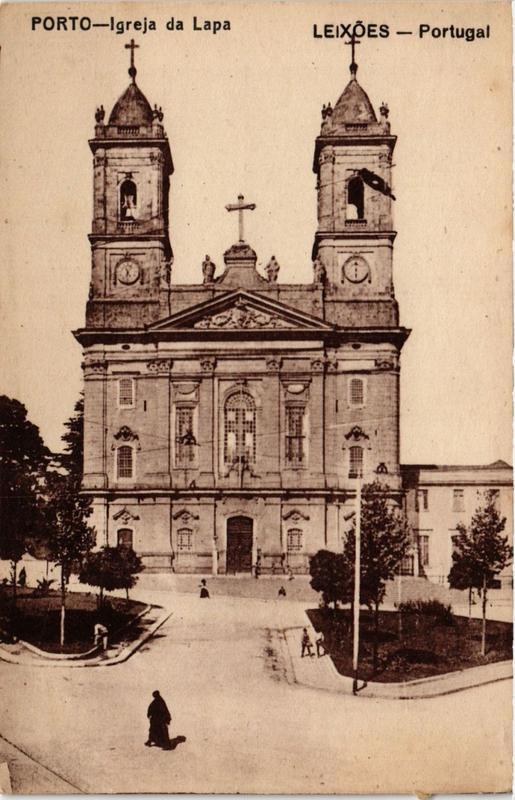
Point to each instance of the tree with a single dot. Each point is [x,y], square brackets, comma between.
[330,575]
[70,538]
[111,568]
[464,575]
[23,460]
[385,541]
[481,548]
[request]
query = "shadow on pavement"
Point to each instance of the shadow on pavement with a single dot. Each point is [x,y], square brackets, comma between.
[176,741]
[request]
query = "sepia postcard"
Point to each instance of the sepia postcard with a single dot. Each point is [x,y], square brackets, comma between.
[255,398]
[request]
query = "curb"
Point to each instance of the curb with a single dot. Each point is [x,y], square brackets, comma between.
[122,656]
[418,689]
[87,653]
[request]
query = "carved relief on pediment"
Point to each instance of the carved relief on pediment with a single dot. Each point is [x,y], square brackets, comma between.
[184,516]
[125,516]
[124,435]
[295,515]
[242,315]
[356,433]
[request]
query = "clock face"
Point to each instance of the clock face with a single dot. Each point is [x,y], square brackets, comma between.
[127,272]
[356,269]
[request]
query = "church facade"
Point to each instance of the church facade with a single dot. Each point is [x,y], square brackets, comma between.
[226,422]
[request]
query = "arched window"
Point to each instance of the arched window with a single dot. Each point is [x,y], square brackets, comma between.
[240,429]
[124,538]
[125,461]
[128,199]
[355,199]
[356,462]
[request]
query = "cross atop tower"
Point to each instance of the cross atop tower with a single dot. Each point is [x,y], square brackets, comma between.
[132,69]
[353,42]
[240,207]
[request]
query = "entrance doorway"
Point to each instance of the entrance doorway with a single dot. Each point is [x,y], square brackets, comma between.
[239,544]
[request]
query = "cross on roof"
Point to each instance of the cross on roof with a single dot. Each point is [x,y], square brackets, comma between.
[132,69]
[353,42]
[240,207]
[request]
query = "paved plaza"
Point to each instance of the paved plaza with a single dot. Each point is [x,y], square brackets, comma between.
[247,727]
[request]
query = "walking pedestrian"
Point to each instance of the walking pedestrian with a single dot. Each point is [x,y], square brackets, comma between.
[320,646]
[306,644]
[204,591]
[281,592]
[160,719]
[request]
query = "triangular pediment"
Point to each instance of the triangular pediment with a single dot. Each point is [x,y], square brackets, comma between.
[240,310]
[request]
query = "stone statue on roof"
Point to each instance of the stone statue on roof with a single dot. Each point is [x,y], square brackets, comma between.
[319,271]
[272,270]
[208,270]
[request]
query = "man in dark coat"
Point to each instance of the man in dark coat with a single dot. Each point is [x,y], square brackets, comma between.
[160,719]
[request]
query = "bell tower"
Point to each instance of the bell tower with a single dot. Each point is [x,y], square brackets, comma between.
[131,250]
[354,239]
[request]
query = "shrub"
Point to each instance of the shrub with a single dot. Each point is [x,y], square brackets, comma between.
[441,613]
[43,588]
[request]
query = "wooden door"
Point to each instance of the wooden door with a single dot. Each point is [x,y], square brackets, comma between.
[239,544]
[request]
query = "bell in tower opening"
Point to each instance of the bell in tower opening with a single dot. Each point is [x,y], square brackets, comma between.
[128,199]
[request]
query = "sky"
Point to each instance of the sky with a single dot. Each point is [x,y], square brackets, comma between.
[242,110]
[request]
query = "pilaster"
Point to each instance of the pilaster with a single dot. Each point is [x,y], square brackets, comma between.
[271,448]
[317,423]
[206,423]
[95,392]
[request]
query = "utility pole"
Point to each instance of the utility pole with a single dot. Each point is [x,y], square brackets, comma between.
[357,575]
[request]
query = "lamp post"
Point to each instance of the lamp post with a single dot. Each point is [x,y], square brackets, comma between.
[381,470]
[357,574]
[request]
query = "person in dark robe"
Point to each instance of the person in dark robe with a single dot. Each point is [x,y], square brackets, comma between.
[160,719]
[204,591]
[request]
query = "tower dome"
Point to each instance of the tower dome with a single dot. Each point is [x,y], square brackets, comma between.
[132,108]
[353,106]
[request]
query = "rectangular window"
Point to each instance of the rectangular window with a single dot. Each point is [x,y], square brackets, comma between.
[294,540]
[356,462]
[184,540]
[356,392]
[423,549]
[408,565]
[126,392]
[295,455]
[125,537]
[125,463]
[458,499]
[184,437]
[421,500]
